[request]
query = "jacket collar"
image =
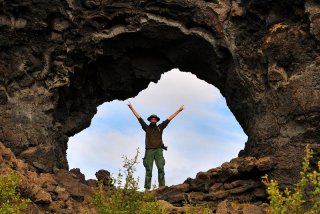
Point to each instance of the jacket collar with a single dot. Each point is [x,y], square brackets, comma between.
[153,125]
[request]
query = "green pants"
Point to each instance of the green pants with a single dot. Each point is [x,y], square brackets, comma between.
[157,156]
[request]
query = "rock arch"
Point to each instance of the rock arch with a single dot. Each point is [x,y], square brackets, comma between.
[60,60]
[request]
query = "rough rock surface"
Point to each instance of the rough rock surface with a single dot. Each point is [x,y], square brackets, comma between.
[227,207]
[60,59]
[58,192]
[104,177]
[238,180]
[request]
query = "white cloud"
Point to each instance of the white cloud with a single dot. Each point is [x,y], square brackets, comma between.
[175,88]
[104,146]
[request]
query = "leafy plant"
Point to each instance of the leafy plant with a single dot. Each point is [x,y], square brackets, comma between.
[125,197]
[304,198]
[10,199]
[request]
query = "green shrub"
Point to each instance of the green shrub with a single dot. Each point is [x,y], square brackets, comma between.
[125,197]
[304,198]
[10,200]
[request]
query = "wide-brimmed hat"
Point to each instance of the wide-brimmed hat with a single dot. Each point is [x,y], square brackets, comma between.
[153,115]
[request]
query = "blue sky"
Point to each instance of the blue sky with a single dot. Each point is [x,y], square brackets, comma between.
[203,136]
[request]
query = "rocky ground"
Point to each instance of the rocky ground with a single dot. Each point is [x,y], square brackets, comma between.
[60,192]
[234,187]
[237,181]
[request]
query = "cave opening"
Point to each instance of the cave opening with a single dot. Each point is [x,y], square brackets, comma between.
[122,64]
[203,136]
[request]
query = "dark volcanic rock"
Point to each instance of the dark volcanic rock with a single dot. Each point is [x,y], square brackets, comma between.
[104,177]
[60,59]
[79,174]
[218,184]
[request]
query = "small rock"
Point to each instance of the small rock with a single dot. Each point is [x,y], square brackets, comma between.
[259,193]
[197,196]
[50,187]
[181,187]
[229,169]
[104,177]
[6,153]
[215,171]
[169,208]
[188,181]
[224,207]
[243,197]
[247,165]
[276,75]
[42,197]
[176,198]
[228,186]
[241,186]
[56,37]
[237,9]
[219,194]
[28,152]
[20,23]
[78,198]
[265,163]
[215,187]
[241,183]
[62,193]
[92,182]
[252,209]
[41,167]
[60,25]
[240,189]
[197,185]
[79,174]
[203,176]
[12,22]
[70,182]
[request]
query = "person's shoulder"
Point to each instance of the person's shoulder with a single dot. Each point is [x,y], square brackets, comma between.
[140,118]
[166,121]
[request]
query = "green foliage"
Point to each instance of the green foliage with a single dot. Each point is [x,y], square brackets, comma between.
[195,208]
[10,200]
[125,197]
[304,198]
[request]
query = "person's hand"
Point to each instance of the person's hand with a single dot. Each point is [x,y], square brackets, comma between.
[130,106]
[181,108]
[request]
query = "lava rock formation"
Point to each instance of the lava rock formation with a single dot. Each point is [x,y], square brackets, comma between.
[60,59]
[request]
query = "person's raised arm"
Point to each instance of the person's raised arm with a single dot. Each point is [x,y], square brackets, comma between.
[141,121]
[176,113]
[133,111]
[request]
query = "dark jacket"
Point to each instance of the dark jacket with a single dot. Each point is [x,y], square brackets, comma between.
[153,133]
